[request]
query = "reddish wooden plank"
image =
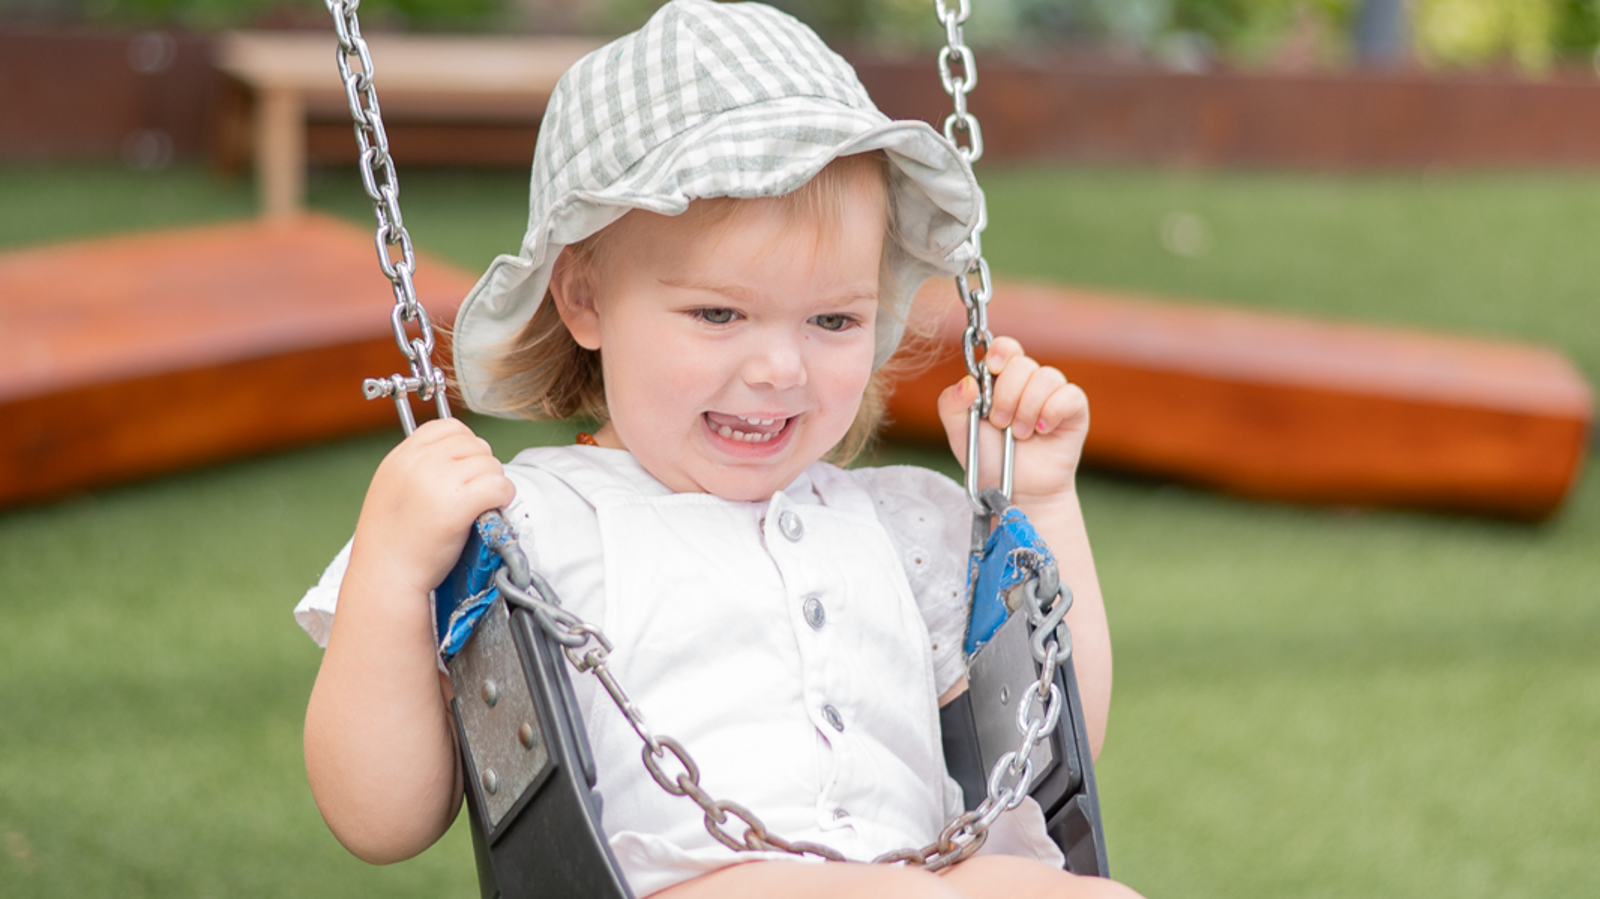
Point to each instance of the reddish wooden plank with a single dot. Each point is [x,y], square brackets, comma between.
[143,354]
[1293,409]
[153,352]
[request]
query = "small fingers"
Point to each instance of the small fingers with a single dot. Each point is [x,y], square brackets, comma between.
[1065,407]
[1029,397]
[953,405]
[448,438]
[1002,350]
[476,474]
[1013,372]
[489,490]
[1040,407]
[956,399]
[438,429]
[468,446]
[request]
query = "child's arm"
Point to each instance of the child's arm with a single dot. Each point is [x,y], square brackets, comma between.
[1050,419]
[379,742]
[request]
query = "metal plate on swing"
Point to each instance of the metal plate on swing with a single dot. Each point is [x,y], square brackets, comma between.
[999,677]
[505,744]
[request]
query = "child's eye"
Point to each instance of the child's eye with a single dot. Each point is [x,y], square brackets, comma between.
[715,315]
[834,321]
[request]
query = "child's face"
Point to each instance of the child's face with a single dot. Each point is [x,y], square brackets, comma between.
[735,353]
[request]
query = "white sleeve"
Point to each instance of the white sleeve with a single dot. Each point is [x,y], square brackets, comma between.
[930,524]
[558,532]
[314,612]
[547,515]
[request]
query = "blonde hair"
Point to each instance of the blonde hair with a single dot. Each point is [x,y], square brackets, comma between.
[545,374]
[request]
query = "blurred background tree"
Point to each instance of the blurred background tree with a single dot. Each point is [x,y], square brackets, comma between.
[1464,32]
[212,15]
[1532,36]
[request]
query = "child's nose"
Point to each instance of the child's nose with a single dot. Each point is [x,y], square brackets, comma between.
[775,362]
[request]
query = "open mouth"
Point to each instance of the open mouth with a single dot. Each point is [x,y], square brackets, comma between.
[743,429]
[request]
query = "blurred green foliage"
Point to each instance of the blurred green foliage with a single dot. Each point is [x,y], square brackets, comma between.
[207,15]
[1577,27]
[1249,29]
[1532,35]
[1474,31]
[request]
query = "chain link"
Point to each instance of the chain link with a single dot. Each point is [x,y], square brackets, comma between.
[575,636]
[958,74]
[588,649]
[959,85]
[395,255]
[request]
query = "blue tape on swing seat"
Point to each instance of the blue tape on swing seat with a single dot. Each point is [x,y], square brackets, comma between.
[1011,555]
[468,590]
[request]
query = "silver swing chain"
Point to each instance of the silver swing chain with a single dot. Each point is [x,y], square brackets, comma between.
[383,186]
[586,647]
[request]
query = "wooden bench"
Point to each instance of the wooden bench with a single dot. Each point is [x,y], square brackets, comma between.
[291,79]
[160,351]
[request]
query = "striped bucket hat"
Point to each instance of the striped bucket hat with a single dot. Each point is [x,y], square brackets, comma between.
[711,100]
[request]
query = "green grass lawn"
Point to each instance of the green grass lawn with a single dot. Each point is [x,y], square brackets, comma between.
[1310,702]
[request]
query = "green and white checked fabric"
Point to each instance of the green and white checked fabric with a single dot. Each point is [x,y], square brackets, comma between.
[711,100]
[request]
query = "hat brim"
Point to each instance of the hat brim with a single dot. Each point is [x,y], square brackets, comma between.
[769,149]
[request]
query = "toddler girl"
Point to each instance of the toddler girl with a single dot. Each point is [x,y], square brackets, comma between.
[724,238]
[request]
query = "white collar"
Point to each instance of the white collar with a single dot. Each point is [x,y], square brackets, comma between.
[801,491]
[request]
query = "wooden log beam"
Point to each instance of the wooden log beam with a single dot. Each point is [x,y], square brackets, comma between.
[154,352]
[1286,408]
[160,351]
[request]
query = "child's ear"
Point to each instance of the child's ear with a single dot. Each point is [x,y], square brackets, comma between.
[572,289]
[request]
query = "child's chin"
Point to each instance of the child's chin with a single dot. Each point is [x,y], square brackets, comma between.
[750,489]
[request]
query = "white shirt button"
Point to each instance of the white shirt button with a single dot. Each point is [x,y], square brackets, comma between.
[789,523]
[815,615]
[833,717]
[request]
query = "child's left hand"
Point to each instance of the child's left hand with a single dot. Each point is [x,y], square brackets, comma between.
[1048,415]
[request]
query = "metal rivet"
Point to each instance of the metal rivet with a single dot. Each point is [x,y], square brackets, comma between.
[1005,694]
[491,781]
[491,692]
[815,615]
[791,526]
[833,717]
[525,735]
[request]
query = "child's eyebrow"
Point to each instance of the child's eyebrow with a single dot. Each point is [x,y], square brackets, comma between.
[731,291]
[743,294]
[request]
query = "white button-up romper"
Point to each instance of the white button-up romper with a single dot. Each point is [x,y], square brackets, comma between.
[779,642]
[825,724]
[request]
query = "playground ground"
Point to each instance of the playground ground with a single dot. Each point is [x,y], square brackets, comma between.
[1309,701]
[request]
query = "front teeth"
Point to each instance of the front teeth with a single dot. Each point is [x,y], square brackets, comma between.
[747,437]
[762,436]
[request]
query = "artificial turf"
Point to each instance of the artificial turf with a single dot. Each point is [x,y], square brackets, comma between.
[1310,702]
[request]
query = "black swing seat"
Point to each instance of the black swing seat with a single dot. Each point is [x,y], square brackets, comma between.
[1065,791]
[530,776]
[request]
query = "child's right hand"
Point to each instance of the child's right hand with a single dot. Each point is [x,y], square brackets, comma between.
[423,500]
[380,747]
